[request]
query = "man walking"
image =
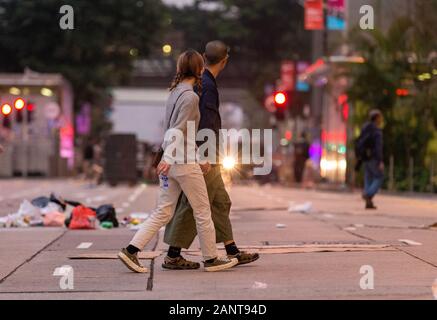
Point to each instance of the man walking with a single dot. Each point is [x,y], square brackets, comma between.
[370,146]
[181,230]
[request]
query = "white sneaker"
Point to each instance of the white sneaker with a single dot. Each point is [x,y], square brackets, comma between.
[220,263]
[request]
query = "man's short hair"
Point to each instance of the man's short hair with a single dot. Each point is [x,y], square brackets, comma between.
[216,51]
[374,114]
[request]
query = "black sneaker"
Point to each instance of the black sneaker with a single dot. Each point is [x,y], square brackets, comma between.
[369,202]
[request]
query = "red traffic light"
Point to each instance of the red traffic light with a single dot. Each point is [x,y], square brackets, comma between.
[19,104]
[280,98]
[6,109]
[288,135]
[402,92]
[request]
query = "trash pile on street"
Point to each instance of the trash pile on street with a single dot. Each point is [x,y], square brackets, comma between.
[134,220]
[54,211]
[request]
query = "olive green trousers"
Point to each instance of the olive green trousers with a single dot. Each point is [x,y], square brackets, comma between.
[181,230]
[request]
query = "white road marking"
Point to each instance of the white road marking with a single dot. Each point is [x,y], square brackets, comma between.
[84,245]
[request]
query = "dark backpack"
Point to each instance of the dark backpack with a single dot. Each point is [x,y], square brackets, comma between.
[363,146]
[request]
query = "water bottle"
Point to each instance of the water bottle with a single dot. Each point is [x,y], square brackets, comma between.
[164,180]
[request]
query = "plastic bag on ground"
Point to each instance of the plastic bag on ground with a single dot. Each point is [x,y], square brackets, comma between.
[28,210]
[54,219]
[106,213]
[51,207]
[40,202]
[83,218]
[58,200]
[301,208]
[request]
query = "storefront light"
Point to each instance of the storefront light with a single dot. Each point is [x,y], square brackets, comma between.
[14,91]
[46,92]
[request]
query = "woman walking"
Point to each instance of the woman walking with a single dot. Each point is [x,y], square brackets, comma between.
[175,177]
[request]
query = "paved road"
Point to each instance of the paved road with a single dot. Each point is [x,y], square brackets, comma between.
[28,257]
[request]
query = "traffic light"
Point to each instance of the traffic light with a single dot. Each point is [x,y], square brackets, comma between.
[19,105]
[30,112]
[280,99]
[6,112]
[400,92]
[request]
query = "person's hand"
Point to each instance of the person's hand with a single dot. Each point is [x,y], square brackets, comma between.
[205,167]
[1,149]
[381,166]
[163,168]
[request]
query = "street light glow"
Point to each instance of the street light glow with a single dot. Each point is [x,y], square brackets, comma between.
[167,49]
[228,163]
[46,92]
[14,91]
[133,52]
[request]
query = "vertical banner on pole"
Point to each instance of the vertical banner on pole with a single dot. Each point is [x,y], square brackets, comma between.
[287,75]
[314,17]
[336,15]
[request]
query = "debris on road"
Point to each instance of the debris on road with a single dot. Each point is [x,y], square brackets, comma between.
[300,208]
[410,242]
[54,219]
[107,225]
[281,226]
[106,255]
[259,285]
[358,225]
[349,228]
[26,216]
[328,215]
[134,220]
[82,218]
[106,213]
[54,211]
[433,226]
[308,248]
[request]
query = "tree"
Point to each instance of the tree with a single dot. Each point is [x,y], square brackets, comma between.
[96,54]
[259,33]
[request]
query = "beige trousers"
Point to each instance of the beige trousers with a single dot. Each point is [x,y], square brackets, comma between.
[186,178]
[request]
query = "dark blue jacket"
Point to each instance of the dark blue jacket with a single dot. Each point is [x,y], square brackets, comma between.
[209,104]
[374,136]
